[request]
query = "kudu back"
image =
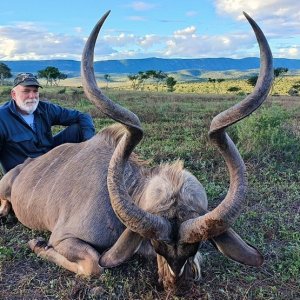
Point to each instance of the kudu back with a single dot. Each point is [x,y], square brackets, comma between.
[102,204]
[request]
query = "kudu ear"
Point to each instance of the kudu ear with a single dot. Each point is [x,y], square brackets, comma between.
[232,246]
[124,248]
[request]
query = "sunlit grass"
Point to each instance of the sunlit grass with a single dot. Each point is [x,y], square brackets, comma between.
[281,85]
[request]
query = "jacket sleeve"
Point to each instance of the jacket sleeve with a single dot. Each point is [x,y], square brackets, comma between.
[66,117]
[1,139]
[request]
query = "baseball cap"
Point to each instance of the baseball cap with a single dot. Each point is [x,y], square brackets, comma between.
[26,79]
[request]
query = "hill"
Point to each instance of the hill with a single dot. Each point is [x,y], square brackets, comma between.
[132,66]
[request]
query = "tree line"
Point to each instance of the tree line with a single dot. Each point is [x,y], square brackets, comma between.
[53,76]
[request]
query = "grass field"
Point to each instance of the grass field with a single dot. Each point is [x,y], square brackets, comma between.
[197,85]
[176,126]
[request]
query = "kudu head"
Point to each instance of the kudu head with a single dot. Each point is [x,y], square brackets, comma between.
[176,236]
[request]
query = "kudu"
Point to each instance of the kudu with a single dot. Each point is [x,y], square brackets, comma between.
[102,204]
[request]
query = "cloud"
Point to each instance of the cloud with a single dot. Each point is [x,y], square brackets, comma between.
[291,52]
[185,32]
[141,6]
[121,40]
[189,44]
[149,41]
[275,14]
[279,21]
[26,42]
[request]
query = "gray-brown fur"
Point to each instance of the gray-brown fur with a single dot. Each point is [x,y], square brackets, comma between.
[102,204]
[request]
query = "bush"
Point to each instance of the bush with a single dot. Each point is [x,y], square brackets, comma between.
[77,91]
[233,89]
[252,80]
[266,132]
[5,91]
[62,91]
[293,92]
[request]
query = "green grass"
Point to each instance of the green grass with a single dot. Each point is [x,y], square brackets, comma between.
[176,126]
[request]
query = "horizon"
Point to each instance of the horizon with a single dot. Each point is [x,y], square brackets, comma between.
[143,29]
[146,58]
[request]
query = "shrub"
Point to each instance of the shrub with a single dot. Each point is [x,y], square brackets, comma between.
[233,89]
[77,91]
[62,91]
[293,92]
[252,80]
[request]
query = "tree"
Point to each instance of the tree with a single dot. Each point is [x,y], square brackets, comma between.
[61,76]
[160,76]
[5,72]
[142,76]
[134,81]
[139,79]
[157,76]
[278,76]
[252,80]
[107,79]
[214,81]
[171,82]
[278,72]
[52,75]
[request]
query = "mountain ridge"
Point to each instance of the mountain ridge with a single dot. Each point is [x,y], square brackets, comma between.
[132,66]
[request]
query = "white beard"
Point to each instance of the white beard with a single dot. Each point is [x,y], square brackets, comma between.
[28,106]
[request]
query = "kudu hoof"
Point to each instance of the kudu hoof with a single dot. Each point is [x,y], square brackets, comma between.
[37,245]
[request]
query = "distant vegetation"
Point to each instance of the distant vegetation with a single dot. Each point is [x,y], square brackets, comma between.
[158,78]
[180,82]
[5,72]
[52,75]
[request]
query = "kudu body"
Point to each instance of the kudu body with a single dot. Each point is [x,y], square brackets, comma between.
[102,204]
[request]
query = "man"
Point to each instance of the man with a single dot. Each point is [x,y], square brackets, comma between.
[25,124]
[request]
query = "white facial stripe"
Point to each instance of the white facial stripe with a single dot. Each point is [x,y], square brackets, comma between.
[197,261]
[182,269]
[197,269]
[171,271]
[138,247]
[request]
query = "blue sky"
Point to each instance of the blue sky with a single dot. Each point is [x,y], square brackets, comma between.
[57,29]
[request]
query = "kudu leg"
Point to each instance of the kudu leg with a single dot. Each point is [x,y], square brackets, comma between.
[5,207]
[6,183]
[71,254]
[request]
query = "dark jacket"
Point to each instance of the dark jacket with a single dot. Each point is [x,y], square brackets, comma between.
[19,141]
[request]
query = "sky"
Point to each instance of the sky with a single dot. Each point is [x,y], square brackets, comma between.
[58,29]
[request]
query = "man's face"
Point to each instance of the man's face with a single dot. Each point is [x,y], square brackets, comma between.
[26,98]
